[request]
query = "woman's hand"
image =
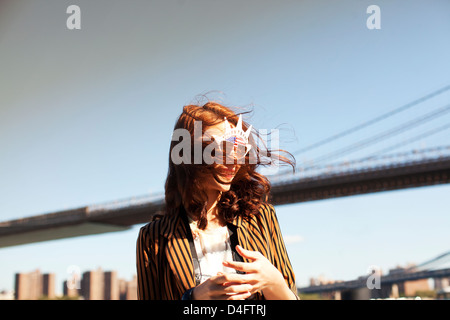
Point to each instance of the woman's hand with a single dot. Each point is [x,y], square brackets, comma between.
[227,286]
[261,275]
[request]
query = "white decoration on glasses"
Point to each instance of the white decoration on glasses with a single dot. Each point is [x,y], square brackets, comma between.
[236,135]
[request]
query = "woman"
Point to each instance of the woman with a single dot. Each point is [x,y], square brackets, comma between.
[219,238]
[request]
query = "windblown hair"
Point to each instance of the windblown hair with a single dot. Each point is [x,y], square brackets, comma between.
[248,188]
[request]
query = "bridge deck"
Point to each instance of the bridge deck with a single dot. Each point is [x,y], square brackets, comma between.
[114,217]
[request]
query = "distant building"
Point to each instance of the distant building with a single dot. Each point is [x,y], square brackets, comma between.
[442,284]
[320,280]
[70,289]
[111,286]
[411,267]
[99,285]
[34,285]
[411,288]
[92,285]
[48,285]
[131,289]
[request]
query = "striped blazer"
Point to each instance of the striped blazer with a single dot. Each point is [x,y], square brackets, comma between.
[164,259]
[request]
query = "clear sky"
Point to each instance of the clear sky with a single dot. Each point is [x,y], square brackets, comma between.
[86,115]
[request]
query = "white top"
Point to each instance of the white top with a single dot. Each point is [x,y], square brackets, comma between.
[212,247]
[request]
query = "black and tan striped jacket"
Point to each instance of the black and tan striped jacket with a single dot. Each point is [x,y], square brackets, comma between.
[164,259]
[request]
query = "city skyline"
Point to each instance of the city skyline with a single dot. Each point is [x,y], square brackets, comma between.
[105,285]
[88,285]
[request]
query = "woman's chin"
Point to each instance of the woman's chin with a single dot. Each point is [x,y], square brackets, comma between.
[224,187]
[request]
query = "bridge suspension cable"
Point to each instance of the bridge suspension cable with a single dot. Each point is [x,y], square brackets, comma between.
[384,135]
[366,162]
[372,121]
[411,140]
[436,263]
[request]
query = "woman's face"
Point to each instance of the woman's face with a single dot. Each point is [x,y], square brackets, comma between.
[225,171]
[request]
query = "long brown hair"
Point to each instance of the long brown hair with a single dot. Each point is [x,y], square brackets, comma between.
[248,189]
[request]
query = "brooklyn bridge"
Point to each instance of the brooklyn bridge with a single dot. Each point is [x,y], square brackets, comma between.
[386,168]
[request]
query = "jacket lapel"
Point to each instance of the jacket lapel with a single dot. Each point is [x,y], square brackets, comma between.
[238,237]
[179,254]
[234,241]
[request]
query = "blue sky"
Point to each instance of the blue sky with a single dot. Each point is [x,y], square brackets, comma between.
[86,115]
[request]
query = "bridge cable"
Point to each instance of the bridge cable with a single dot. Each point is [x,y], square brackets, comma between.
[372,121]
[288,173]
[384,135]
[411,140]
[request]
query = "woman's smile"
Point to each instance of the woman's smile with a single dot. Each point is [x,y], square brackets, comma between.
[228,173]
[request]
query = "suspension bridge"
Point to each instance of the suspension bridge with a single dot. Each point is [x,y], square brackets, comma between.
[436,269]
[326,176]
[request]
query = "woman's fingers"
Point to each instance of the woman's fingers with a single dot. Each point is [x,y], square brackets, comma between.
[240,266]
[241,296]
[237,288]
[229,277]
[248,254]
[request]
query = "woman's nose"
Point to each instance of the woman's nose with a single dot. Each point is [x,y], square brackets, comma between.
[231,158]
